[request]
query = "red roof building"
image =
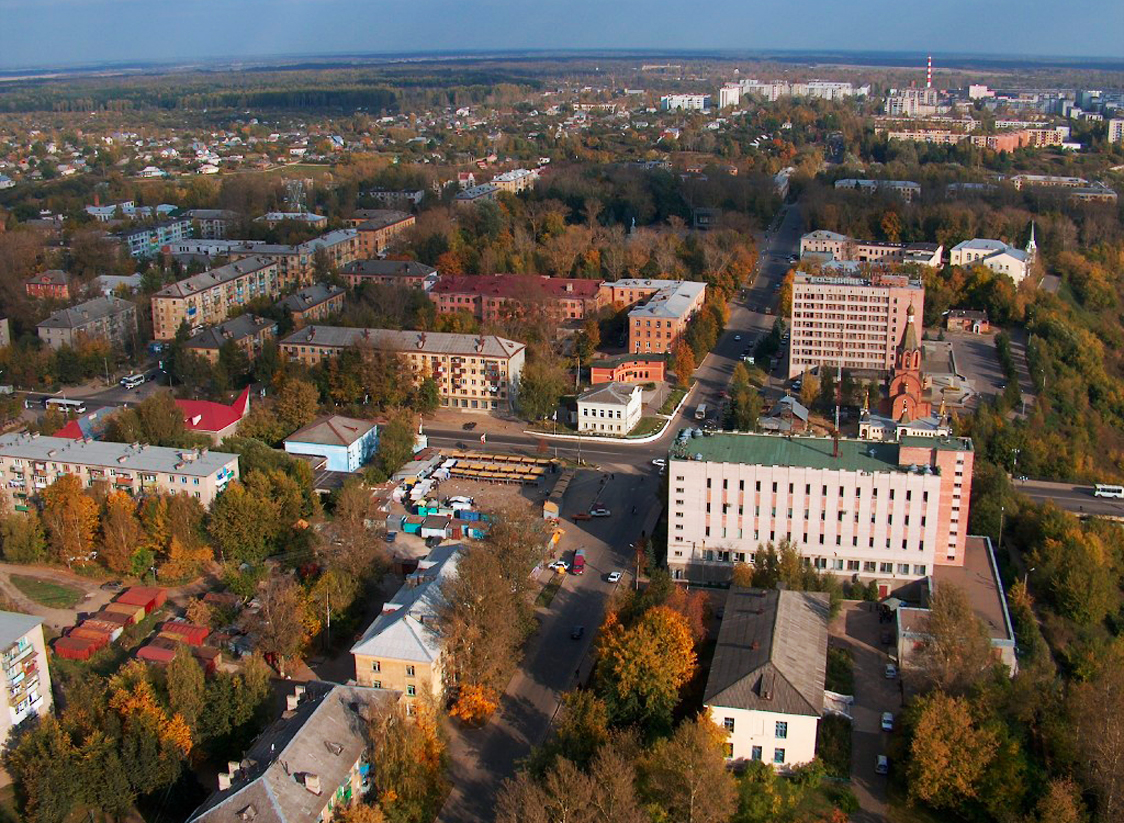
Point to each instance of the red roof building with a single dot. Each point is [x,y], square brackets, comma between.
[203,416]
[495,296]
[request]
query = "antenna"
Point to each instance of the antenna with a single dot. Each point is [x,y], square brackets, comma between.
[929,74]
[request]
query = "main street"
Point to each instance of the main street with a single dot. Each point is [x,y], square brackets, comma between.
[1078,499]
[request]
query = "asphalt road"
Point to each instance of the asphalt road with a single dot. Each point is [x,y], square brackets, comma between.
[1078,499]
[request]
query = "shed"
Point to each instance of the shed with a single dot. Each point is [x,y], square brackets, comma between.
[98,638]
[74,648]
[435,526]
[208,658]
[151,597]
[191,633]
[116,618]
[135,614]
[156,654]
[108,626]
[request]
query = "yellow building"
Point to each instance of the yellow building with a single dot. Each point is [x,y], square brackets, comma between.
[207,299]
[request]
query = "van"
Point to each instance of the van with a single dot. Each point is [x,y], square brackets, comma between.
[882,765]
[132,381]
[463,501]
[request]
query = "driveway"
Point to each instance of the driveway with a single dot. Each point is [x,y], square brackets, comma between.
[857,628]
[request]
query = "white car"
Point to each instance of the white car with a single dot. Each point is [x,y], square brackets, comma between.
[891,671]
[887,721]
[560,566]
[737,338]
[599,511]
[659,461]
[614,577]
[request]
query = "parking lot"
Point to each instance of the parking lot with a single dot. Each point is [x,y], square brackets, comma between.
[857,628]
[977,362]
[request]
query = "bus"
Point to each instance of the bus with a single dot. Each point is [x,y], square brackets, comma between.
[579,562]
[64,405]
[1107,490]
[700,412]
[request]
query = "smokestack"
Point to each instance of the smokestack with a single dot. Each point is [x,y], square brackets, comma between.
[929,74]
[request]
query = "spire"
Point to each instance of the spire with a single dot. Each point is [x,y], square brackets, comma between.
[1031,246]
[909,333]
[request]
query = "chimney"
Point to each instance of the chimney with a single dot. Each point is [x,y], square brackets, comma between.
[312,782]
[224,781]
[291,701]
[299,692]
[232,766]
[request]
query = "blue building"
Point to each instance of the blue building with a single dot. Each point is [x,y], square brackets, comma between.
[347,443]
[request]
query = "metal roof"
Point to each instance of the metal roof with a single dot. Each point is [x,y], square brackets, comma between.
[123,456]
[467,345]
[215,277]
[332,430]
[77,316]
[311,296]
[237,328]
[14,625]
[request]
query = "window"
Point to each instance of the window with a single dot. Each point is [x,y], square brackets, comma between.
[376,666]
[728,723]
[886,568]
[411,709]
[778,755]
[729,750]
[782,730]
[411,690]
[409,671]
[755,753]
[376,684]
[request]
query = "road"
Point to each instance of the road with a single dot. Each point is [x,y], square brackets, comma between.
[1077,499]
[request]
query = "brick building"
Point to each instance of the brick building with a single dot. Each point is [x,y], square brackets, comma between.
[661,311]
[378,227]
[389,273]
[207,298]
[110,318]
[314,303]
[491,297]
[246,331]
[53,284]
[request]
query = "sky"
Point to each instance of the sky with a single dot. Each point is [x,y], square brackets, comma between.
[70,32]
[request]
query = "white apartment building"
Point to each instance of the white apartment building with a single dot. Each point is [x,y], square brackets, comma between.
[611,408]
[27,680]
[877,511]
[828,245]
[1116,130]
[766,683]
[907,190]
[687,102]
[850,321]
[729,95]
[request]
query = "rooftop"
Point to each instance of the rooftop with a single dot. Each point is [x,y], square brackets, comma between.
[979,579]
[374,219]
[215,277]
[518,286]
[14,625]
[78,316]
[477,191]
[771,653]
[672,301]
[388,268]
[54,277]
[118,456]
[237,328]
[332,430]
[311,296]
[619,394]
[468,345]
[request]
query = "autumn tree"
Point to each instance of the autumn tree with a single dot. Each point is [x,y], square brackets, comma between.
[156,420]
[542,383]
[957,650]
[121,532]
[742,575]
[242,523]
[278,623]
[183,679]
[683,361]
[295,404]
[408,759]
[1095,708]
[1061,803]
[686,774]
[71,517]
[949,752]
[22,539]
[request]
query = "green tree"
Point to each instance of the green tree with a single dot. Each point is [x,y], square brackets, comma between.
[956,652]
[428,396]
[396,444]
[186,687]
[295,404]
[541,386]
[686,775]
[21,535]
[242,524]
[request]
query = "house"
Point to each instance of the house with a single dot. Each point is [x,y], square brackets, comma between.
[347,443]
[401,649]
[484,193]
[110,318]
[997,256]
[26,677]
[788,415]
[629,368]
[766,682]
[203,416]
[310,762]
[613,408]
[390,273]
[378,227]
[248,332]
[313,303]
[967,320]
[53,284]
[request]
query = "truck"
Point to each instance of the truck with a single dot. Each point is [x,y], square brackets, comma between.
[700,412]
[579,562]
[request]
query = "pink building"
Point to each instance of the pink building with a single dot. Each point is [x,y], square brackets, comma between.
[887,512]
[855,322]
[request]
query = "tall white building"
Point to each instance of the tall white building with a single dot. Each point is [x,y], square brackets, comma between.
[1116,131]
[689,102]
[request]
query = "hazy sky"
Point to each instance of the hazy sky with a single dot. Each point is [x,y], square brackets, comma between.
[61,32]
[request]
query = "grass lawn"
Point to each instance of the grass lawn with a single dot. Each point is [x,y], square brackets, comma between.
[46,593]
[673,398]
[840,671]
[549,590]
[834,745]
[646,426]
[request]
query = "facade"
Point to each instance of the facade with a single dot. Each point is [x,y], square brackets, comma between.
[247,331]
[614,408]
[390,273]
[378,227]
[296,265]
[207,299]
[997,256]
[907,190]
[31,462]
[515,181]
[111,318]
[398,200]
[27,678]
[206,248]
[1116,130]
[877,511]
[211,224]
[314,303]
[824,89]
[766,683]
[489,298]
[271,219]
[831,246]
[687,102]
[473,373]
[483,193]
[305,767]
[852,322]
[912,103]
[347,444]
[629,368]
[665,307]
[401,649]
[53,284]
[149,241]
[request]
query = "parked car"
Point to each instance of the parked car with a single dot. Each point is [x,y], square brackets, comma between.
[599,511]
[737,338]
[577,632]
[581,516]
[468,426]
[887,721]
[659,461]
[882,765]
[111,586]
[891,671]
[560,566]
[614,577]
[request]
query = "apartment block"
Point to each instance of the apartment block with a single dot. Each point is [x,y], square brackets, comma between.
[389,273]
[150,241]
[832,246]
[662,311]
[314,303]
[53,284]
[907,190]
[273,218]
[490,297]
[687,102]
[473,372]
[378,227]
[27,678]
[399,200]
[246,331]
[852,322]
[886,512]
[211,224]
[109,318]
[207,299]
[483,193]
[296,265]
[401,649]
[515,181]
[29,463]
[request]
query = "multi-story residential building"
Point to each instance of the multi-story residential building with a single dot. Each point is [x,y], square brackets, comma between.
[378,227]
[110,318]
[1116,130]
[765,688]
[824,89]
[29,463]
[852,322]
[211,224]
[907,190]
[515,181]
[401,649]
[612,408]
[483,193]
[26,677]
[996,255]
[314,303]
[246,331]
[149,241]
[687,102]
[876,511]
[212,248]
[53,284]
[473,372]
[390,273]
[832,246]
[665,307]
[308,765]
[489,297]
[207,299]
[400,200]
[271,219]
[729,95]
[912,102]
[296,265]
[346,443]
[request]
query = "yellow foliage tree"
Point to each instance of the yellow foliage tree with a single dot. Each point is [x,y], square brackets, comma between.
[474,704]
[71,517]
[183,561]
[949,753]
[133,697]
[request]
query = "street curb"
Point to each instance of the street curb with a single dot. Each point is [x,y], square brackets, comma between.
[649,438]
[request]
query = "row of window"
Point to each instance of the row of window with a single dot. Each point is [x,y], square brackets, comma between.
[780,729]
[835,564]
[792,490]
